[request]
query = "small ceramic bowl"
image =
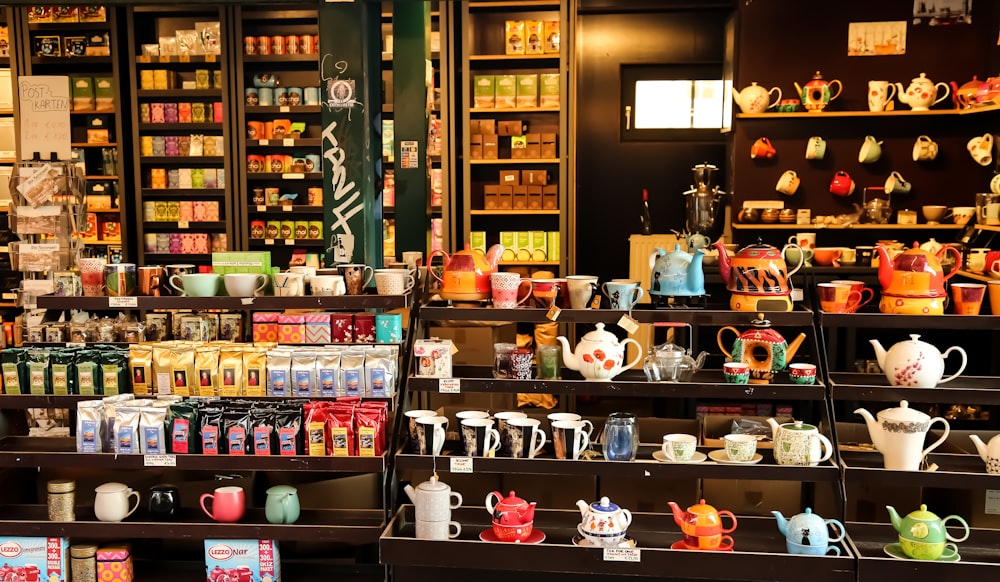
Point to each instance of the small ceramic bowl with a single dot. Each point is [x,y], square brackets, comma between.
[787,216]
[769,215]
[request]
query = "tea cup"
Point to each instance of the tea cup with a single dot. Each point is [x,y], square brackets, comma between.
[244,284]
[327,285]
[762,148]
[968,297]
[842,184]
[896,184]
[838,298]
[740,447]
[827,256]
[933,213]
[581,290]
[924,149]
[736,372]
[815,148]
[228,504]
[289,284]
[860,287]
[801,373]
[111,501]
[962,214]
[995,184]
[788,183]
[505,287]
[679,447]
[393,281]
[871,150]
[623,294]
[981,149]
[196,284]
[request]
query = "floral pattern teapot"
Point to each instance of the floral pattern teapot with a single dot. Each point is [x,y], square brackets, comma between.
[599,355]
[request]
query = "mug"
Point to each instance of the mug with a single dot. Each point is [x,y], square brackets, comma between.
[976,259]
[993,288]
[788,183]
[437,530]
[762,148]
[412,416]
[837,298]
[176,269]
[327,285]
[164,501]
[479,437]
[120,279]
[864,254]
[547,292]
[858,286]
[968,297]
[505,287]
[871,150]
[924,149]
[962,214]
[571,437]
[282,504]
[306,271]
[981,149]
[815,148]
[802,373]
[895,184]
[991,214]
[880,93]
[679,447]
[501,359]
[805,240]
[393,281]
[244,284]
[413,259]
[623,294]
[150,280]
[503,419]
[289,284]
[827,256]
[195,284]
[355,278]
[526,438]
[111,501]
[520,364]
[557,416]
[740,447]
[228,504]
[581,289]
[995,184]
[736,372]
[842,184]
[431,434]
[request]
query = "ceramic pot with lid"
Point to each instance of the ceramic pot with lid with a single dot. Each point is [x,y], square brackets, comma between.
[899,433]
[603,523]
[757,273]
[599,355]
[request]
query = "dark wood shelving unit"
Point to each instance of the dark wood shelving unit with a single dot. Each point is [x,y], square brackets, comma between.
[262,176]
[181,192]
[707,317]
[286,142]
[155,226]
[876,388]
[208,126]
[70,61]
[183,160]
[868,540]
[339,302]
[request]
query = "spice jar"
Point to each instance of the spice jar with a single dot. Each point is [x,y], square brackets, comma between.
[83,563]
[62,499]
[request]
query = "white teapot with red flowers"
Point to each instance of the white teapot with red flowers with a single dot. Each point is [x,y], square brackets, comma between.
[599,355]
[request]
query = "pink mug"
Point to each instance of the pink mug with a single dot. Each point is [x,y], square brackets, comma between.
[858,286]
[505,287]
[228,504]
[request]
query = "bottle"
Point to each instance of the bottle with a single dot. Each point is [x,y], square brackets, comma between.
[646,222]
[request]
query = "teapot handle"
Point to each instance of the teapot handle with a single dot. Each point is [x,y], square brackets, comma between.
[775,102]
[840,87]
[958,260]
[839,526]
[947,92]
[718,340]
[638,354]
[826,445]
[431,258]
[937,443]
[802,258]
[726,512]
[654,256]
[628,519]
[490,507]
[964,523]
[961,368]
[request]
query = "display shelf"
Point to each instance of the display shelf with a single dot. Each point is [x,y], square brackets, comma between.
[989,227]
[759,549]
[182,160]
[347,526]
[875,388]
[954,471]
[284,109]
[99,177]
[865,226]
[894,113]
[514,58]
[181,192]
[288,242]
[492,110]
[509,161]
[174,257]
[868,540]
[439,310]
[520,4]
[529,263]
[261,176]
[22,401]
[198,226]
[292,208]
[199,60]
[287,142]
[352,302]
[870,319]
[181,93]
[511,213]
[296,58]
[86,144]
[71,26]
[70,61]
[207,126]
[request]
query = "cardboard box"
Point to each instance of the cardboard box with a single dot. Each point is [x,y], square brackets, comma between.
[477,240]
[491,149]
[518,147]
[114,564]
[488,126]
[552,244]
[484,93]
[534,197]
[259,557]
[548,145]
[520,197]
[475,343]
[265,327]
[510,177]
[317,328]
[83,93]
[491,197]
[511,127]
[475,147]
[538,245]
[505,198]
[549,90]
[527,90]
[522,245]
[535,177]
[506,91]
[507,241]
[474,127]
[43,559]
[550,197]
[533,148]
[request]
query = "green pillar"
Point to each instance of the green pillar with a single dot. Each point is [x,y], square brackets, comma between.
[350,73]
[411,30]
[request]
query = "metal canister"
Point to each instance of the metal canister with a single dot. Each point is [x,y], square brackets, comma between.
[307,44]
[83,563]
[277,45]
[292,44]
[264,45]
[250,45]
[61,499]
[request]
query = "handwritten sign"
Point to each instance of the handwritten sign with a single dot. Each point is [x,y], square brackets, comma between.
[45,126]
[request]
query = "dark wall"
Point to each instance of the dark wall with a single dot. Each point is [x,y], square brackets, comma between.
[611,174]
[783,41]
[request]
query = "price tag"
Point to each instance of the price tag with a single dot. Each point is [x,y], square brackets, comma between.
[262,142]
[796,295]
[183,58]
[289,242]
[293,176]
[142,59]
[119,302]
[210,58]
[76,344]
[596,303]
[288,142]
[10,296]
[450,385]
[159,460]
[461,465]
[164,58]
[622,555]
[284,109]
[629,324]
[287,208]
[261,208]
[992,502]
[553,313]
[269,241]
[182,224]
[246,301]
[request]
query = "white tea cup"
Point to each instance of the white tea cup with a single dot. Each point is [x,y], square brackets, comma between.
[679,447]
[327,285]
[244,284]
[289,284]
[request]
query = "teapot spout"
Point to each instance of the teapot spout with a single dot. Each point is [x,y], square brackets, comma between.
[724,263]
[782,522]
[901,93]
[700,361]
[980,446]
[528,514]
[569,358]
[793,346]
[874,431]
[411,493]
[885,267]
[798,89]
[493,255]
[879,352]
[897,522]
[584,507]
[678,512]
[736,97]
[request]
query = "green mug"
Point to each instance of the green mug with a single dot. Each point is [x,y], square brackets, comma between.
[196,284]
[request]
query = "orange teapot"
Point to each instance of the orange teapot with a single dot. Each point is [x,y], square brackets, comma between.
[913,282]
[466,274]
[702,526]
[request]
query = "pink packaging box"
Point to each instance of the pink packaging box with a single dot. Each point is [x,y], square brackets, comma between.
[265,327]
[291,329]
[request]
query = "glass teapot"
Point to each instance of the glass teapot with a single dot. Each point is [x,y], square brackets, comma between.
[669,362]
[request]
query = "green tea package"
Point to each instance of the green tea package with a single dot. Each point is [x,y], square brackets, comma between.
[183,428]
[15,370]
[63,371]
[39,379]
[140,362]
[114,371]
[88,372]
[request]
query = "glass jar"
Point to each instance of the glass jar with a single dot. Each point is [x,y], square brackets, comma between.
[61,499]
[621,437]
[83,563]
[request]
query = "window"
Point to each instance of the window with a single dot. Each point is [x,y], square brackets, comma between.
[673,102]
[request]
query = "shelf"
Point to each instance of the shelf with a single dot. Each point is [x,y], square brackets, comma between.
[100,177]
[706,384]
[70,26]
[529,263]
[899,113]
[284,109]
[867,319]
[344,302]
[514,110]
[194,226]
[287,143]
[989,227]
[347,526]
[643,467]
[534,4]
[875,388]
[296,58]
[288,242]
[440,311]
[92,112]
[142,60]
[22,401]
[955,471]
[196,160]
[976,276]
[760,550]
[868,540]
[512,213]
[208,126]
[807,227]
[61,452]
[182,192]
[509,161]
[285,176]
[84,144]
[300,209]
[64,61]
[543,57]
[150,93]
[174,257]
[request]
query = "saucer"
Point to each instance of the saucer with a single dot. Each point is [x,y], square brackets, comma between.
[537,536]
[720,456]
[680,545]
[628,542]
[696,458]
[896,551]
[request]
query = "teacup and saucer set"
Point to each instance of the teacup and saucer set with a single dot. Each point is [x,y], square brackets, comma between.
[679,449]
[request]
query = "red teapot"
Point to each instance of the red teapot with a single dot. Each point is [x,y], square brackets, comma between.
[513,517]
[701,525]
[466,275]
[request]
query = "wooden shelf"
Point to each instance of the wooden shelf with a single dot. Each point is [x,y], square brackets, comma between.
[779,226]
[292,209]
[256,176]
[531,263]
[284,109]
[99,177]
[343,302]
[191,226]
[149,93]
[84,144]
[515,110]
[92,111]
[194,160]
[510,212]
[288,242]
[183,192]
[508,161]
[65,61]
[302,142]
[976,276]
[296,58]
[544,57]
[989,227]
[71,26]
[898,113]
[142,60]
[207,126]
[548,4]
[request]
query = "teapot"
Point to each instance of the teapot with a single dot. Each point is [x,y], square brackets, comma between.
[604,523]
[923,535]
[762,348]
[677,272]
[922,93]
[282,504]
[466,275]
[701,525]
[757,276]
[816,95]
[899,435]
[433,500]
[990,453]
[967,95]
[670,362]
[513,517]
[755,99]
[797,443]
[914,363]
[988,92]
[808,533]
[599,355]
[913,281]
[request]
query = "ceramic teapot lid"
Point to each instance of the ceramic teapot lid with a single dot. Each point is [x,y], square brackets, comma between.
[921,80]
[702,508]
[111,488]
[434,484]
[599,335]
[922,514]
[281,490]
[903,412]
[512,501]
[605,506]
[798,425]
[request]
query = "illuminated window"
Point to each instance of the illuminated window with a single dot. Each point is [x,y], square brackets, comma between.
[673,102]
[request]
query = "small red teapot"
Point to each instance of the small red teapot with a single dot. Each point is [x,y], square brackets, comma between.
[466,275]
[513,517]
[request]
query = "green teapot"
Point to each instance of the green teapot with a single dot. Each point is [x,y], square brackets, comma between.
[922,534]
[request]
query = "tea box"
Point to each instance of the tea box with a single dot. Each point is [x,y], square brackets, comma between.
[253,560]
[433,357]
[114,564]
[34,559]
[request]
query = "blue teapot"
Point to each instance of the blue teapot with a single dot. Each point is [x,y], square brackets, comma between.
[807,533]
[676,273]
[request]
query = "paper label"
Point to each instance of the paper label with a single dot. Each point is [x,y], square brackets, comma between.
[622,555]
[269,241]
[286,208]
[262,142]
[210,58]
[450,385]
[461,465]
[553,313]
[289,242]
[628,324]
[993,502]
[183,224]
[293,176]
[123,302]
[288,142]
[261,208]
[596,303]
[284,109]
[159,460]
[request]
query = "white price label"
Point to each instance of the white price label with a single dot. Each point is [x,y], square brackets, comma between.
[293,176]
[450,385]
[269,241]
[629,324]
[262,142]
[183,224]
[289,242]
[461,465]
[159,460]
[284,109]
[622,555]
[287,208]
[992,502]
[288,142]
[261,208]
[76,344]
[121,302]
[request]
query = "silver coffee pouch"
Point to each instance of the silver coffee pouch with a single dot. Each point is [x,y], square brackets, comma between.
[303,373]
[126,433]
[327,370]
[151,428]
[380,373]
[90,426]
[279,363]
[352,373]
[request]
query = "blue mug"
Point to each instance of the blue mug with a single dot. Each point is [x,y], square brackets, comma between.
[623,294]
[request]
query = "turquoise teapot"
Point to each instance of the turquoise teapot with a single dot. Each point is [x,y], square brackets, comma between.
[676,273]
[807,533]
